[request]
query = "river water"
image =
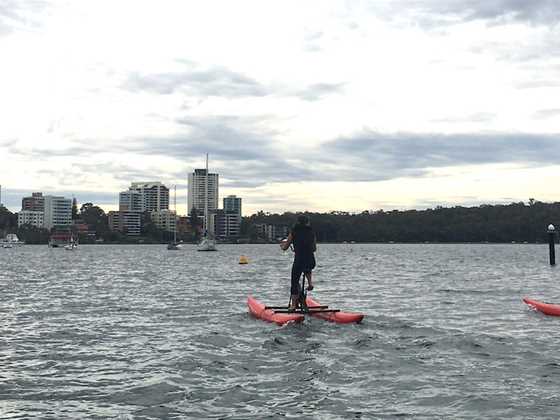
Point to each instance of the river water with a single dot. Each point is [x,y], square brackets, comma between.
[139,332]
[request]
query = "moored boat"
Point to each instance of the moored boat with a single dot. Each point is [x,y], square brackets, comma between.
[208,242]
[11,240]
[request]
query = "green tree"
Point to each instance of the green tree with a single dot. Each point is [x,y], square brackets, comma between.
[8,221]
[195,223]
[74,208]
[95,218]
[33,235]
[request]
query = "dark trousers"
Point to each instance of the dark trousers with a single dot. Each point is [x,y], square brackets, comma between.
[297,271]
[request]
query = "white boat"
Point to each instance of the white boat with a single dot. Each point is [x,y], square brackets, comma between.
[11,240]
[72,245]
[174,246]
[208,243]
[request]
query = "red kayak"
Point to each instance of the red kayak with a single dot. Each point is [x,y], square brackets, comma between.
[258,310]
[545,308]
[338,317]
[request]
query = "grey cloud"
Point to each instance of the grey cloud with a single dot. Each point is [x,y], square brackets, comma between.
[311,41]
[20,15]
[477,117]
[11,198]
[547,113]
[219,81]
[536,84]
[246,156]
[45,153]
[216,81]
[533,11]
[374,156]
[244,147]
[319,90]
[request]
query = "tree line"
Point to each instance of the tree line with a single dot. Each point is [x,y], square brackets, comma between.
[515,222]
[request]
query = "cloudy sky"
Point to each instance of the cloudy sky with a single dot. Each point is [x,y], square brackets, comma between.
[302,105]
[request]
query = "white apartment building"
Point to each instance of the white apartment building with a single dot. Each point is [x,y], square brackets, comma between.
[30,217]
[155,195]
[126,222]
[131,200]
[197,191]
[58,211]
[228,224]
[165,220]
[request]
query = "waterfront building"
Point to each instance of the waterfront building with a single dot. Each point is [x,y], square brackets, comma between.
[184,226]
[197,191]
[155,195]
[57,211]
[130,200]
[164,220]
[30,217]
[272,232]
[228,220]
[34,203]
[126,222]
[232,204]
[228,224]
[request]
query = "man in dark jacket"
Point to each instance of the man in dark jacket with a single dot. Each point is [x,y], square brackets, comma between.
[304,244]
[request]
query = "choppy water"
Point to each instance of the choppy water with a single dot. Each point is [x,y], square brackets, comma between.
[141,332]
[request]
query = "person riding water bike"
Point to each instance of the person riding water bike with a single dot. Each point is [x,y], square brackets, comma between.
[304,244]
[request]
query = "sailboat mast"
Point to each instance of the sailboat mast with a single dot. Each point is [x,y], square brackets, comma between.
[206,198]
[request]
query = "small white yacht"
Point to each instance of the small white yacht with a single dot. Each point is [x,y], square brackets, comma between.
[72,244]
[11,240]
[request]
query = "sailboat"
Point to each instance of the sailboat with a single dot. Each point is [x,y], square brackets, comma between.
[72,244]
[207,243]
[174,246]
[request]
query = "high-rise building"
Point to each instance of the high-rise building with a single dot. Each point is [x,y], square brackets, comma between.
[228,224]
[141,197]
[130,200]
[197,191]
[228,220]
[155,195]
[58,211]
[232,204]
[34,203]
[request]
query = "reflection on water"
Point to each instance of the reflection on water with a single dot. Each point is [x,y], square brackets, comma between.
[138,331]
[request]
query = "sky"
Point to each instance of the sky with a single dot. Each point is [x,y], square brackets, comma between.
[316,105]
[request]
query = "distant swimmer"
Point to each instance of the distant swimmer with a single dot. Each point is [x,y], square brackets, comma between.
[304,244]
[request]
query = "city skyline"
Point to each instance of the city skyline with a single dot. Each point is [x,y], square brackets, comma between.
[318,106]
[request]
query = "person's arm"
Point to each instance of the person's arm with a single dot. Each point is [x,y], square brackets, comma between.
[286,243]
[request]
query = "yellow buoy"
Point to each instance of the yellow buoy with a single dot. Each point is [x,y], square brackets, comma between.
[243,260]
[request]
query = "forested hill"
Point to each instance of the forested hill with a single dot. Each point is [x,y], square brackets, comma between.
[519,222]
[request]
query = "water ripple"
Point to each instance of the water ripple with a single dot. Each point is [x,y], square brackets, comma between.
[139,332]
